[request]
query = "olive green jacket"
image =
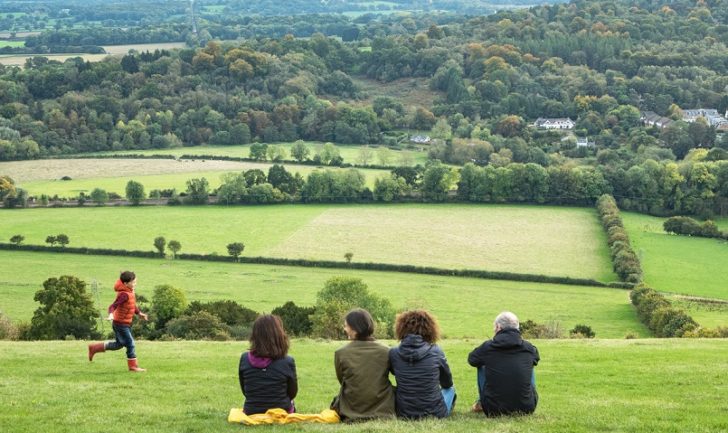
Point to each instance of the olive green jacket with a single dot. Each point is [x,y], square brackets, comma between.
[362,368]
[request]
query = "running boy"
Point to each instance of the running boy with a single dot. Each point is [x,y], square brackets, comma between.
[121,312]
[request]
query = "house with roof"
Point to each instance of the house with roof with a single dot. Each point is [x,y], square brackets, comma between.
[650,118]
[554,123]
[710,115]
[421,139]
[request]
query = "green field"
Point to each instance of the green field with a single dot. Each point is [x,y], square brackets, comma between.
[112,175]
[584,386]
[6,43]
[546,240]
[349,153]
[464,306]
[20,59]
[679,264]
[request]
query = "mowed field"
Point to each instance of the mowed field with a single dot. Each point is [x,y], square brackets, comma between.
[584,386]
[556,241]
[113,50]
[679,264]
[349,153]
[465,307]
[112,175]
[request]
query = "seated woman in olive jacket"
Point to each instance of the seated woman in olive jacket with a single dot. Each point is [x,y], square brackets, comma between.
[424,382]
[362,367]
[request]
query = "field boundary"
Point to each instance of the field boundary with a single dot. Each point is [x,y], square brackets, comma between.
[369,266]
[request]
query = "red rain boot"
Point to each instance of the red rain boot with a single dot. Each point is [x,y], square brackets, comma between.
[95,348]
[133,366]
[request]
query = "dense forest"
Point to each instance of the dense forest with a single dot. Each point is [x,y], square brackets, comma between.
[600,63]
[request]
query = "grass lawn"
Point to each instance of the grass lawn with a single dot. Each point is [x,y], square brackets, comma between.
[349,153]
[43,177]
[584,386]
[120,50]
[679,264]
[524,239]
[19,60]
[465,307]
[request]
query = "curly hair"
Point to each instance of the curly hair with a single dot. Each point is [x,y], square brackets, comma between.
[418,322]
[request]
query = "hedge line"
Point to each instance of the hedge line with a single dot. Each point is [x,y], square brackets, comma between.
[425,270]
[682,225]
[120,156]
[659,315]
[624,260]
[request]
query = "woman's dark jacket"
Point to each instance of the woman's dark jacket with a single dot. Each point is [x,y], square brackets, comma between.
[508,360]
[421,371]
[267,383]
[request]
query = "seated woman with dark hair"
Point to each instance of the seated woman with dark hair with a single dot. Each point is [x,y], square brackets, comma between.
[362,367]
[424,382]
[267,374]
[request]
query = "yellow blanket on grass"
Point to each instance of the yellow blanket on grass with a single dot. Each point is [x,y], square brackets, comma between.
[280,416]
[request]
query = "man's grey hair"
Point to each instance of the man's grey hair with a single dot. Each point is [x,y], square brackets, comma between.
[507,320]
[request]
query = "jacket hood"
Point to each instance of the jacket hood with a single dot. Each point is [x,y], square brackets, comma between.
[258,362]
[121,287]
[507,338]
[413,348]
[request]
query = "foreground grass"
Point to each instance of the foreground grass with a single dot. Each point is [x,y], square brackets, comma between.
[465,307]
[555,241]
[584,386]
[112,175]
[679,264]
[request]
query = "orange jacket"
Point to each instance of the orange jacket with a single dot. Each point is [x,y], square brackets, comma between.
[124,313]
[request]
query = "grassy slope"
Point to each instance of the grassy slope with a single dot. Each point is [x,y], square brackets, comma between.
[464,306]
[679,264]
[584,386]
[525,239]
[350,153]
[113,174]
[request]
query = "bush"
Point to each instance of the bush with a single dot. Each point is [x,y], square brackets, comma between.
[66,309]
[200,325]
[167,303]
[582,331]
[550,330]
[296,320]
[8,331]
[229,312]
[659,315]
[682,225]
[341,294]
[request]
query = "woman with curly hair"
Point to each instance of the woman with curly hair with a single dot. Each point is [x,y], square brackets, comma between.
[424,382]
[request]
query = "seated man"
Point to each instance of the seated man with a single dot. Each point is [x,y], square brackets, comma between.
[506,380]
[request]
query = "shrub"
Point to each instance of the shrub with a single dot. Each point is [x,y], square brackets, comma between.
[200,325]
[551,329]
[167,303]
[296,320]
[66,309]
[683,225]
[17,239]
[583,331]
[659,315]
[229,312]
[8,331]
[341,294]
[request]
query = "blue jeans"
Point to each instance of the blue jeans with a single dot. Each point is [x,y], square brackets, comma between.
[481,381]
[449,395]
[123,339]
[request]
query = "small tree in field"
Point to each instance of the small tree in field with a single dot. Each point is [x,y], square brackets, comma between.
[160,244]
[167,303]
[52,240]
[17,239]
[235,249]
[135,192]
[66,310]
[174,246]
[62,239]
[99,196]
[348,256]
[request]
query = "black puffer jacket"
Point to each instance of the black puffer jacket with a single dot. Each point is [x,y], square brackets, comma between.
[421,370]
[508,360]
[267,383]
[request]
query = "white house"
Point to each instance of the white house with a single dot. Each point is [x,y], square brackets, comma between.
[584,142]
[650,118]
[422,139]
[711,115]
[554,123]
